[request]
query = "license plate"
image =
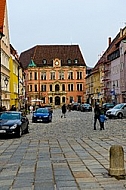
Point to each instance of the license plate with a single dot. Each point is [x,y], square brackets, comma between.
[2,131]
[39,119]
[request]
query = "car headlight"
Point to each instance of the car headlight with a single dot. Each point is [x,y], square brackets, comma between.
[14,126]
[34,115]
[113,112]
[45,116]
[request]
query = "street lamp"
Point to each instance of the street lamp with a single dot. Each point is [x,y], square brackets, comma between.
[6,81]
[1,35]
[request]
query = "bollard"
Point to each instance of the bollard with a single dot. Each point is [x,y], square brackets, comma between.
[116,161]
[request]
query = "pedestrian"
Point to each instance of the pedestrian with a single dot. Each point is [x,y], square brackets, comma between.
[13,108]
[4,108]
[63,110]
[31,109]
[97,113]
[103,118]
[69,107]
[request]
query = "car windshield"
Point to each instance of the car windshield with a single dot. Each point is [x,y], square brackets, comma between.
[108,105]
[42,111]
[118,106]
[9,116]
[86,105]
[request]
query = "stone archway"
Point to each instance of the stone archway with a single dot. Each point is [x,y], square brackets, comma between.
[57,100]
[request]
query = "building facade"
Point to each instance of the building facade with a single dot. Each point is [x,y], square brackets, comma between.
[16,82]
[54,74]
[5,55]
[107,79]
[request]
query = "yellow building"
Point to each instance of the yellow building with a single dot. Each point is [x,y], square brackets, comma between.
[14,76]
[94,85]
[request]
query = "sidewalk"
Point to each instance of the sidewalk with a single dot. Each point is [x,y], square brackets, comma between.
[66,154]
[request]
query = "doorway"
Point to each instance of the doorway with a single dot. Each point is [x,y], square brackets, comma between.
[57,100]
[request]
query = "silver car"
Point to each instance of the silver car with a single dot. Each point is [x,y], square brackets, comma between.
[118,111]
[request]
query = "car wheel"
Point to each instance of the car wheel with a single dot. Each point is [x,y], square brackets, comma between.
[19,132]
[120,115]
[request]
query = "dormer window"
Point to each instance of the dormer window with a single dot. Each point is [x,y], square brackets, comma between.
[75,61]
[44,61]
[69,61]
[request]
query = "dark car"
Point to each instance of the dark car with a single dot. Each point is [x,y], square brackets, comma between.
[13,122]
[48,107]
[86,107]
[107,106]
[75,106]
[42,114]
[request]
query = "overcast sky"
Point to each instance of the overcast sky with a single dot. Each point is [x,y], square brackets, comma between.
[87,23]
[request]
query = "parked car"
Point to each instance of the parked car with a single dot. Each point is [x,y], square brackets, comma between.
[13,122]
[48,107]
[86,107]
[118,111]
[107,106]
[42,115]
[75,106]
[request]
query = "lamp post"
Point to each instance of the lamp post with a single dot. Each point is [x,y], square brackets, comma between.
[1,35]
[6,81]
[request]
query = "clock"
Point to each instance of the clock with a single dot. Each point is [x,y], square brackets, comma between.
[56,63]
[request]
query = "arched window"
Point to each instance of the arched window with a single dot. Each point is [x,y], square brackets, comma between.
[63,99]
[57,88]
[63,87]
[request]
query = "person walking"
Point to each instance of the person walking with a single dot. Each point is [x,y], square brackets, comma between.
[13,108]
[63,110]
[97,113]
[103,118]
[31,109]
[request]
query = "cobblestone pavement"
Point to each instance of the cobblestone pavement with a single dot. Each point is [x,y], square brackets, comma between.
[66,154]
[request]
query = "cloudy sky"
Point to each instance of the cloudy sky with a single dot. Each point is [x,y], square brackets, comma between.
[87,23]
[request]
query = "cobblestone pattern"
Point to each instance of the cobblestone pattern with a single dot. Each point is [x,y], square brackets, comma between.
[66,154]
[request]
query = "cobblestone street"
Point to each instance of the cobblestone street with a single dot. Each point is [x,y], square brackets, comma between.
[66,154]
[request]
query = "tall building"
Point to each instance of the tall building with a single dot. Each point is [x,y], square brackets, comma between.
[4,56]
[54,74]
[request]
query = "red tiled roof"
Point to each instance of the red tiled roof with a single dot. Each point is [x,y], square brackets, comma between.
[2,11]
[111,48]
[51,52]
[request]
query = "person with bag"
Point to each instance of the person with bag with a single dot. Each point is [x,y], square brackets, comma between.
[64,109]
[97,113]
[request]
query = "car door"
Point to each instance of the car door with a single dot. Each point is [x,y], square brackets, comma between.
[24,122]
[124,111]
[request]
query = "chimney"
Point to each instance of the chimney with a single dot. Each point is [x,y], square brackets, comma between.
[121,32]
[109,41]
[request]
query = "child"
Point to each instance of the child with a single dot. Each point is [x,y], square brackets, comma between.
[103,118]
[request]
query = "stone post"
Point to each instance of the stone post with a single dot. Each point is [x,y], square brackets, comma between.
[116,161]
